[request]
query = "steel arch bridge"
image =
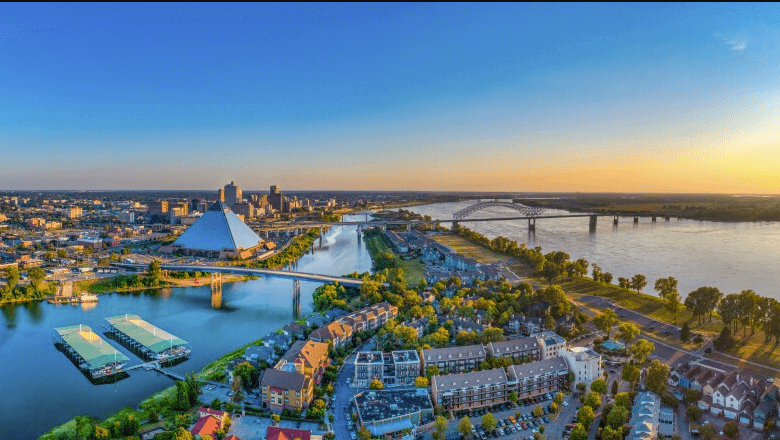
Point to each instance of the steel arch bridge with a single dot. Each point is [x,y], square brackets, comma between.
[526,210]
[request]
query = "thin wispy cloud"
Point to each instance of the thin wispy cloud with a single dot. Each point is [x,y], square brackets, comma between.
[734,43]
[738,45]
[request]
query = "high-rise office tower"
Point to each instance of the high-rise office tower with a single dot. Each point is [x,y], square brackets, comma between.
[233,195]
[275,197]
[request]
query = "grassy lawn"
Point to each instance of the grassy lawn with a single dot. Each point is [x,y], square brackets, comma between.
[414,269]
[640,302]
[471,250]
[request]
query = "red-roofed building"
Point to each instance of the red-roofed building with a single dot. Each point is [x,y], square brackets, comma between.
[275,433]
[206,426]
[217,414]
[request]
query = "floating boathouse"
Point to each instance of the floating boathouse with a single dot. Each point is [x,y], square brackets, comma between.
[94,356]
[147,339]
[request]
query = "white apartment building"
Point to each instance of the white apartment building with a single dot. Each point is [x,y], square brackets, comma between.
[584,363]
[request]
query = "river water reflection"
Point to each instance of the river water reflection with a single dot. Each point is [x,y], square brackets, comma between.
[40,387]
[730,256]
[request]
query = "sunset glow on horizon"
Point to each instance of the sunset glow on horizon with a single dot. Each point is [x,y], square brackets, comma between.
[440,97]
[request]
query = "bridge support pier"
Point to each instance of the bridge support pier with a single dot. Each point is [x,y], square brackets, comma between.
[636,219]
[615,221]
[666,218]
[593,222]
[296,298]
[653,219]
[216,290]
[531,224]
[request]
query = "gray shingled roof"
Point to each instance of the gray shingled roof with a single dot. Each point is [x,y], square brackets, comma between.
[551,365]
[454,353]
[468,380]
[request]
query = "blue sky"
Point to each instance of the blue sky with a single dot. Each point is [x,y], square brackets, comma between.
[560,97]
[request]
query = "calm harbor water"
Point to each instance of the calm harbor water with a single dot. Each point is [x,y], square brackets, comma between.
[42,388]
[730,256]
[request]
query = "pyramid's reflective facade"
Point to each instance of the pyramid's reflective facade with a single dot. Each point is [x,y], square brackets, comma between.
[219,229]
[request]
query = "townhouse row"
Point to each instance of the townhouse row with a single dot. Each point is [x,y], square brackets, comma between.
[290,383]
[734,395]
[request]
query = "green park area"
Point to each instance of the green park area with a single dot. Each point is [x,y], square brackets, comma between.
[481,254]
[414,269]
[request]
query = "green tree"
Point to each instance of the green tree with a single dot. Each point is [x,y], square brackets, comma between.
[638,282]
[585,416]
[248,374]
[181,433]
[155,271]
[431,370]
[421,382]
[101,433]
[667,289]
[623,399]
[627,331]
[685,332]
[606,320]
[364,434]
[707,432]
[12,275]
[440,426]
[376,384]
[657,373]
[593,400]
[512,396]
[464,426]
[642,349]
[538,411]
[36,275]
[559,398]
[599,386]
[62,253]
[693,413]
[610,433]
[618,417]
[276,418]
[630,374]
[579,432]
[489,422]
[492,334]
[731,430]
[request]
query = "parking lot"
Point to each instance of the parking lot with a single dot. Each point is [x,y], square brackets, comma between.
[514,421]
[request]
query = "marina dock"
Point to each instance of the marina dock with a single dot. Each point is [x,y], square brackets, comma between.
[146,339]
[94,356]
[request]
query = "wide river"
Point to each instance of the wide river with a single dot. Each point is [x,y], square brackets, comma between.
[41,388]
[730,256]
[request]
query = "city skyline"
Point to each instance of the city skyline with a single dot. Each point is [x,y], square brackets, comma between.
[516,98]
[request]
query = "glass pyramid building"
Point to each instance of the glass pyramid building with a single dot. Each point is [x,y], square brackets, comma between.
[218,233]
